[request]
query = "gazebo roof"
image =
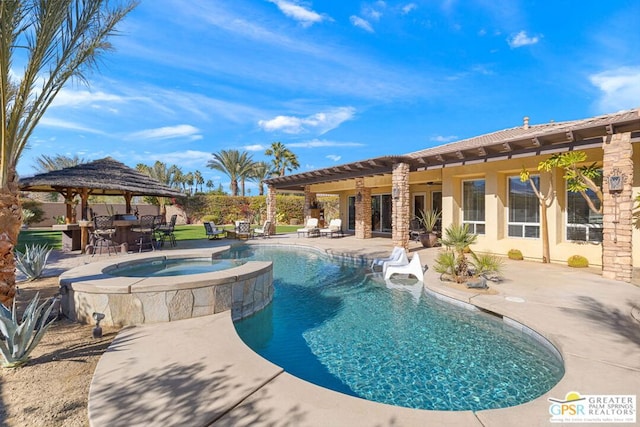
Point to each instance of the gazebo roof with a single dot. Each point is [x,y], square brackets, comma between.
[101,177]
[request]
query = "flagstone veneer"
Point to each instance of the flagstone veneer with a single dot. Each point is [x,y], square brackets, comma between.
[130,301]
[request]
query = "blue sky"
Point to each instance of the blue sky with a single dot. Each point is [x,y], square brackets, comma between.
[340,81]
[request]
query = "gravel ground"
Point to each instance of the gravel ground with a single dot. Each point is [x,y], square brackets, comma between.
[52,389]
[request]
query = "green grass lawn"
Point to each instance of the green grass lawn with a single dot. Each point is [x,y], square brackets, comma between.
[53,239]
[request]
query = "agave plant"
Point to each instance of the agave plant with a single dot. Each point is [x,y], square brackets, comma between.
[31,263]
[17,340]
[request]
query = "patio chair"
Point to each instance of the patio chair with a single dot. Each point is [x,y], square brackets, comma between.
[395,255]
[310,228]
[265,231]
[414,268]
[243,231]
[335,226]
[166,231]
[212,231]
[415,229]
[146,230]
[102,234]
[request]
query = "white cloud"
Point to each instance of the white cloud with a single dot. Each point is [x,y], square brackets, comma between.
[71,98]
[318,123]
[620,88]
[64,124]
[356,21]
[168,132]
[522,39]
[255,147]
[316,143]
[303,15]
[442,138]
[408,8]
[333,157]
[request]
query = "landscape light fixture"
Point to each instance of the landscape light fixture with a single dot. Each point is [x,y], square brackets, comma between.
[97,331]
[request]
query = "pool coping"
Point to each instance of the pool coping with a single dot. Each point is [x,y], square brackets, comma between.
[269,394]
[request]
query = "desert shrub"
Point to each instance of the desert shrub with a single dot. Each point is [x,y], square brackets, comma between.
[445,264]
[515,254]
[578,261]
[487,265]
[35,207]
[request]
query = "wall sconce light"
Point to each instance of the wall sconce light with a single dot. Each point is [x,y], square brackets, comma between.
[395,192]
[359,197]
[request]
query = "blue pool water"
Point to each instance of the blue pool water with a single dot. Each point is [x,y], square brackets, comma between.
[334,325]
[174,267]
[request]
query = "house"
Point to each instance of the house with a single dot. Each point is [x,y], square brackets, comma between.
[477,181]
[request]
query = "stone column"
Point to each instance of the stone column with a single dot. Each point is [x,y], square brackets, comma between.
[617,225]
[271,207]
[309,200]
[401,208]
[363,210]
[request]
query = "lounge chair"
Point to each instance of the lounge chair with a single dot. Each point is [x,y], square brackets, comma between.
[395,255]
[310,228]
[414,268]
[265,231]
[335,226]
[213,232]
[402,260]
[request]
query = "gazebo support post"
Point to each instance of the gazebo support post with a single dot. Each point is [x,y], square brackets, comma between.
[127,201]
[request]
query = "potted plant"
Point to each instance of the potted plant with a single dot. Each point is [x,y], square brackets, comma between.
[429,219]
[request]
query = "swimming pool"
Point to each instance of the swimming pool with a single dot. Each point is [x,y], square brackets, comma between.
[336,326]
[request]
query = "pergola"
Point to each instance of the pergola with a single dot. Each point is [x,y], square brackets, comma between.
[104,177]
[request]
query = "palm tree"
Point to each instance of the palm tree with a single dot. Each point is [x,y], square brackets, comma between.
[46,163]
[209,184]
[59,40]
[232,163]
[199,179]
[245,171]
[261,172]
[283,158]
[166,175]
[458,238]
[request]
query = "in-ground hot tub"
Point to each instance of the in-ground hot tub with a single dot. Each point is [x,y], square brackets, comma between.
[150,288]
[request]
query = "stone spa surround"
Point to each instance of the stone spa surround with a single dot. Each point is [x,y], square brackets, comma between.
[136,300]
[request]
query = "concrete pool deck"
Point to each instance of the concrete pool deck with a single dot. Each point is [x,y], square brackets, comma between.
[197,372]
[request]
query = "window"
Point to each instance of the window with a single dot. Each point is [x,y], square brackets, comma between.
[524,208]
[473,205]
[583,224]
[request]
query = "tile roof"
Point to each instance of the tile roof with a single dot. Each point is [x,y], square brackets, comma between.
[521,133]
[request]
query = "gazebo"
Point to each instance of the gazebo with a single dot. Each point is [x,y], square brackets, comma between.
[104,177]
